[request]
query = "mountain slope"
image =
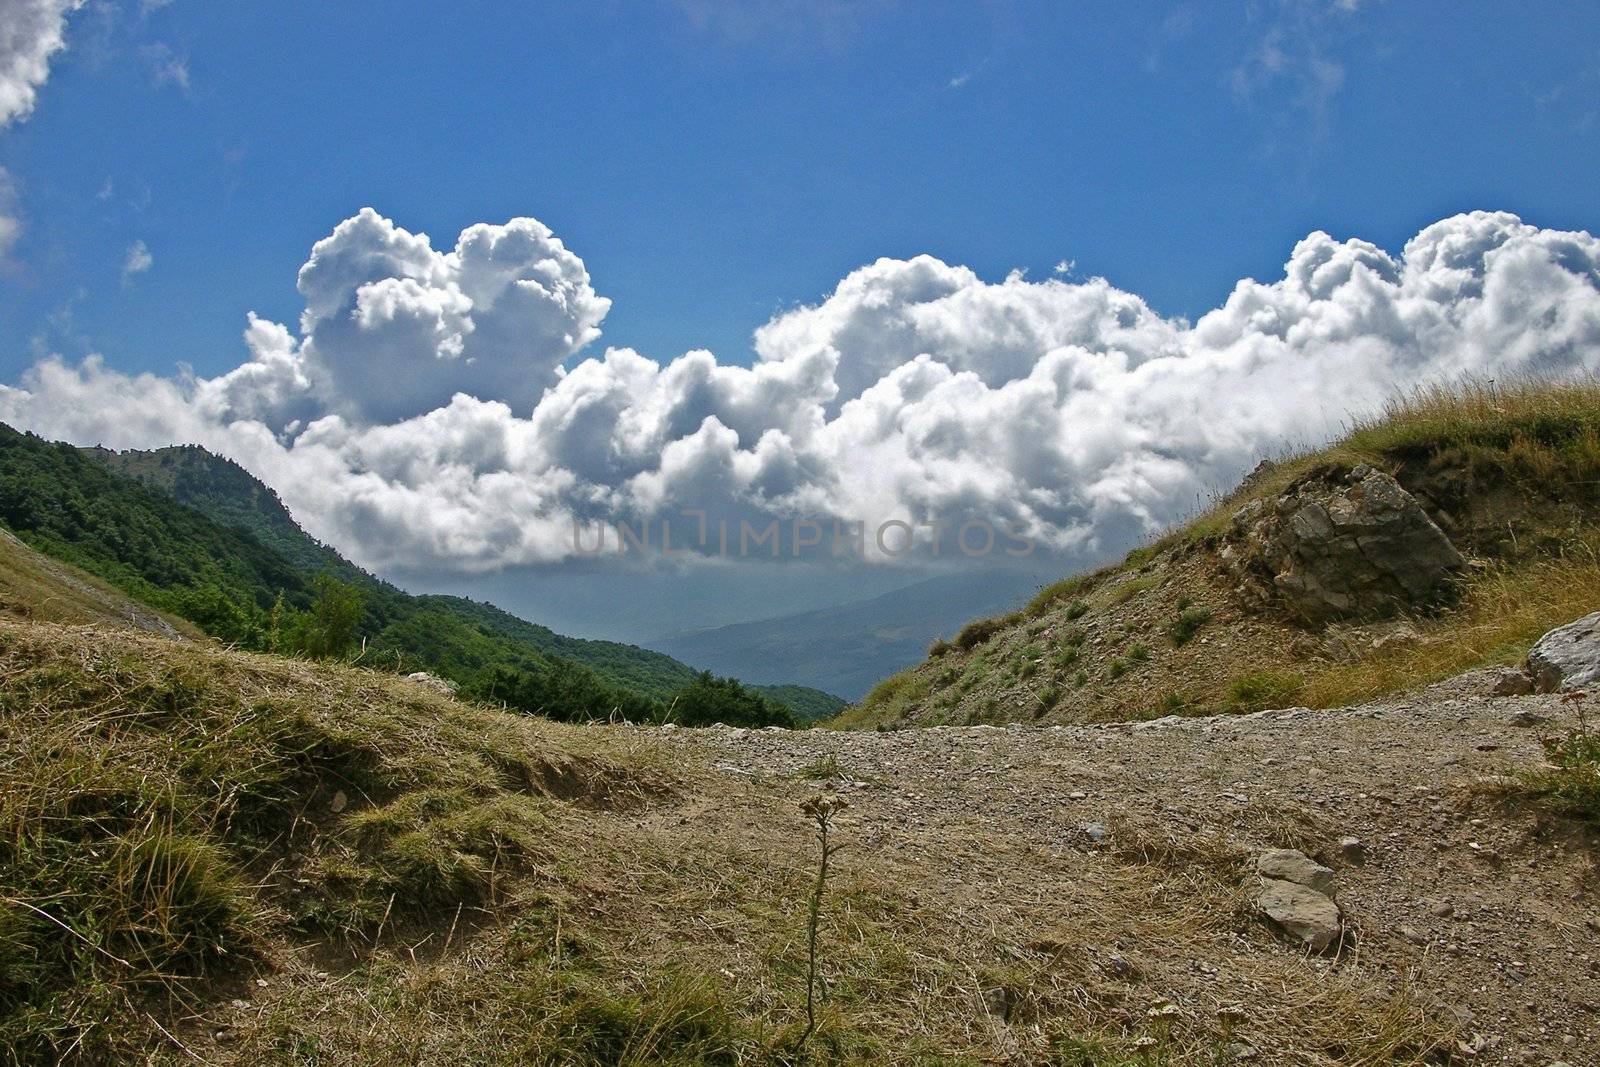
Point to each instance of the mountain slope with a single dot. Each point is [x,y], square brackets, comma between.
[231,496]
[35,586]
[1202,622]
[212,567]
[846,649]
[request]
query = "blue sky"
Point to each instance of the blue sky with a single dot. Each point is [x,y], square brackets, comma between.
[716,163]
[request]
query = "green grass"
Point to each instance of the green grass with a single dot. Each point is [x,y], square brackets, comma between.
[1261,690]
[890,700]
[1133,587]
[1187,623]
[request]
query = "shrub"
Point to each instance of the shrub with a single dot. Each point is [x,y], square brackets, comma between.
[1118,668]
[561,690]
[977,632]
[328,629]
[1077,610]
[708,700]
[939,648]
[1139,653]
[1187,623]
[1573,781]
[1055,592]
[1140,556]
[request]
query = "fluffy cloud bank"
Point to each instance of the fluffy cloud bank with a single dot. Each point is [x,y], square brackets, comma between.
[427,411]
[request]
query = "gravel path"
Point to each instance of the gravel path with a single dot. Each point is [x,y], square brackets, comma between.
[1480,909]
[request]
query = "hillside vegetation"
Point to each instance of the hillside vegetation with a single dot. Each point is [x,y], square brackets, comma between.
[193,535]
[1510,474]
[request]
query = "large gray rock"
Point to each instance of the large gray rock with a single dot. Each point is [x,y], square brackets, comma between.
[1300,911]
[1297,894]
[1568,657]
[1342,545]
[1292,865]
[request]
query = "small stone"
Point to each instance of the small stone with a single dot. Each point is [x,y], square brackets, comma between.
[1095,831]
[1510,683]
[1413,935]
[1524,717]
[1301,911]
[1443,909]
[442,686]
[1118,967]
[1353,850]
[997,1001]
[339,801]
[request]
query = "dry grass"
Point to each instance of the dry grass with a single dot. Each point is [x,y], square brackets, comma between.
[170,818]
[499,889]
[1503,610]
[34,586]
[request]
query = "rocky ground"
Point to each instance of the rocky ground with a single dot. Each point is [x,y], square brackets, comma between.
[1104,877]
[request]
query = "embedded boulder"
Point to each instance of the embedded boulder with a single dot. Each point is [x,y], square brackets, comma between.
[1297,895]
[1567,658]
[1342,544]
[442,686]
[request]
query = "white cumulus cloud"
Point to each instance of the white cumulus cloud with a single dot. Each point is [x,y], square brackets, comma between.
[427,412]
[31,32]
[393,328]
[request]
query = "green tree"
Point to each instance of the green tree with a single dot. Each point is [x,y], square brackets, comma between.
[328,629]
[708,700]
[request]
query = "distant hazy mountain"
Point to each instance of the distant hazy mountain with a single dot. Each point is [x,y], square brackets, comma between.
[849,648]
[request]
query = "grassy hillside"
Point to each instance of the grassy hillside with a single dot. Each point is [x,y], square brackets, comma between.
[226,858]
[177,820]
[1512,476]
[35,586]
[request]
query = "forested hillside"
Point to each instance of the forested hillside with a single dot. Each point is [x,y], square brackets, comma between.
[195,535]
[230,495]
